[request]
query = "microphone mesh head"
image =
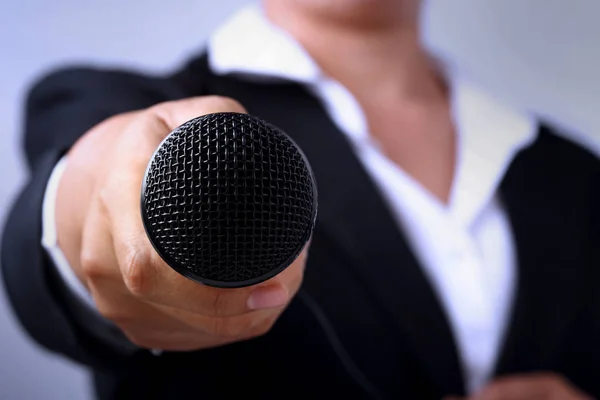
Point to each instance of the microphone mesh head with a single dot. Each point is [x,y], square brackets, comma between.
[228,200]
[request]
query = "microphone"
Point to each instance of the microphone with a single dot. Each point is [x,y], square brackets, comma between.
[228,200]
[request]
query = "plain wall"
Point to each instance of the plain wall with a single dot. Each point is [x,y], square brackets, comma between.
[539,54]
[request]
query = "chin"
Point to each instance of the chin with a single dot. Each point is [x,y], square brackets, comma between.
[355,11]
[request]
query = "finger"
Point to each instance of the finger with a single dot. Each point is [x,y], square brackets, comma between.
[141,336]
[140,139]
[145,274]
[151,326]
[86,161]
[244,325]
[236,327]
[121,193]
[145,324]
[97,255]
[103,278]
[125,311]
[515,388]
[161,284]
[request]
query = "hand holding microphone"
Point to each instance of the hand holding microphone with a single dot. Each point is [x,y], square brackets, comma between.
[227,200]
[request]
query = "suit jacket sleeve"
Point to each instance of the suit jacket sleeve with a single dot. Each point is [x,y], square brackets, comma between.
[60,108]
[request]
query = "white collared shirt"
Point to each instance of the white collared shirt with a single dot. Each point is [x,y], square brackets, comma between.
[465,247]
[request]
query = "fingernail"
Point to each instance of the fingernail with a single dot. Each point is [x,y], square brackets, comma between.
[267,297]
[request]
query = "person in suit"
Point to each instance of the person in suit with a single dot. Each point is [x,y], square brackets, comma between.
[455,252]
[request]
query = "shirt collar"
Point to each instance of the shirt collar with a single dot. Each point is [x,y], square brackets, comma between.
[490,135]
[249,44]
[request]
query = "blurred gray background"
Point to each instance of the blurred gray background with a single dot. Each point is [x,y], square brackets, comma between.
[540,55]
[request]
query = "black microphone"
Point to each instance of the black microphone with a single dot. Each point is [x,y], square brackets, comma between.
[228,200]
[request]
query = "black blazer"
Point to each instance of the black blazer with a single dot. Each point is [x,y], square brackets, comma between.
[367,323]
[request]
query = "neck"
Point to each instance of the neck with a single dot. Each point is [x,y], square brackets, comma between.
[383,59]
[379,59]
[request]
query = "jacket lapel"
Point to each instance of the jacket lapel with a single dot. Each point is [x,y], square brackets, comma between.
[356,218]
[549,210]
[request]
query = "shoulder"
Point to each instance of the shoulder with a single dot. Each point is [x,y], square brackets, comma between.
[579,148]
[184,81]
[64,103]
[69,83]
[556,168]
[563,153]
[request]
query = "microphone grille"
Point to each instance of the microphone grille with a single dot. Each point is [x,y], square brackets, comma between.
[228,200]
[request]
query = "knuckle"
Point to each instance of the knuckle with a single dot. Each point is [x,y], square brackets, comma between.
[152,110]
[114,314]
[91,264]
[149,115]
[162,341]
[117,119]
[109,123]
[556,381]
[140,339]
[104,197]
[226,328]
[242,327]
[153,119]
[261,329]
[135,274]
[218,304]
[296,282]
[264,328]
[224,103]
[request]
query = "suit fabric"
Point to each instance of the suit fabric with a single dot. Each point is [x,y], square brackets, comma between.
[366,322]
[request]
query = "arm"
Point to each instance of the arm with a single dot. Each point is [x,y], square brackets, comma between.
[98,231]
